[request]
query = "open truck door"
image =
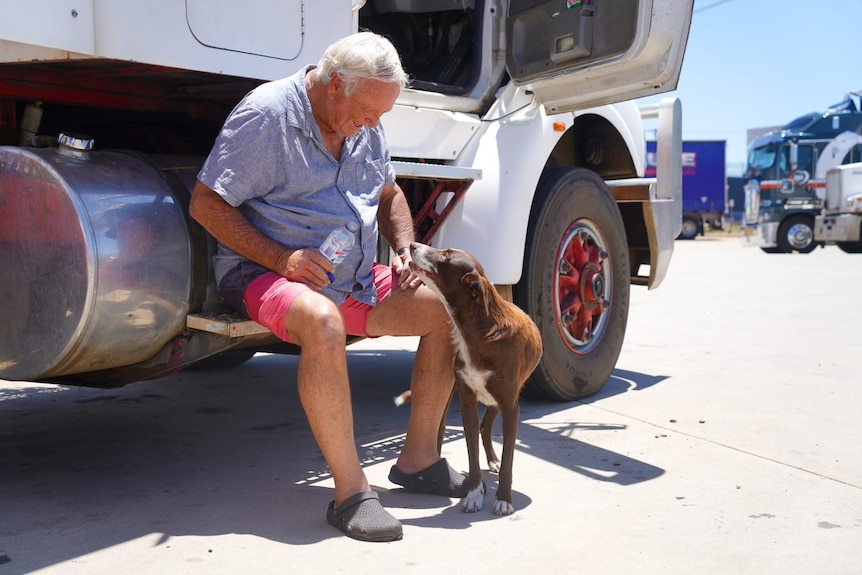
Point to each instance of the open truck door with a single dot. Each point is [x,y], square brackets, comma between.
[614,50]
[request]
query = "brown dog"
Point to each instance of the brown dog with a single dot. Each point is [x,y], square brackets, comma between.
[497,348]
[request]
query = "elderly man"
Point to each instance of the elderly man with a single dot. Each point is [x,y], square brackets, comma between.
[295,159]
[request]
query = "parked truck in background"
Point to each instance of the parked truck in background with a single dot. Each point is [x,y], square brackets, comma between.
[518,141]
[785,177]
[704,185]
[841,220]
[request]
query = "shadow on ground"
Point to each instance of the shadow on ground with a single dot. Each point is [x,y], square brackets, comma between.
[203,454]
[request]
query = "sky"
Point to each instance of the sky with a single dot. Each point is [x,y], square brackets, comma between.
[758,63]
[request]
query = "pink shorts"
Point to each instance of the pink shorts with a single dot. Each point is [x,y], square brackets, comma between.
[268,297]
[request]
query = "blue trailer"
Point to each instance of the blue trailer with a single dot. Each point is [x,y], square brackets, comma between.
[704,184]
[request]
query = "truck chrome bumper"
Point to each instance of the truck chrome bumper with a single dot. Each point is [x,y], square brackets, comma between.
[840,228]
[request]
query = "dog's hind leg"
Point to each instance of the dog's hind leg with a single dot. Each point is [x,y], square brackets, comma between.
[472,502]
[511,415]
[487,430]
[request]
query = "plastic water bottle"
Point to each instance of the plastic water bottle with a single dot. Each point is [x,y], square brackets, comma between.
[337,244]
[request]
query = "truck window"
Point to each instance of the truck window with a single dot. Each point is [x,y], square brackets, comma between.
[435,38]
[761,158]
[804,160]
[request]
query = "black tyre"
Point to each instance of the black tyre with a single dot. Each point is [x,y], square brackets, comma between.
[575,283]
[689,229]
[224,360]
[850,247]
[796,234]
[771,250]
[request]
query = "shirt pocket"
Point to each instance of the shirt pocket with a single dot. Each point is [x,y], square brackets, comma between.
[370,177]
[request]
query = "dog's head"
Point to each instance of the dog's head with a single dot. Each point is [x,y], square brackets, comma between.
[455,276]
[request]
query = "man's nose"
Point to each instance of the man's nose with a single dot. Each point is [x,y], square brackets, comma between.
[371,121]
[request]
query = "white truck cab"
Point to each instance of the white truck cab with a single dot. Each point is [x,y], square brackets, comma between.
[517,141]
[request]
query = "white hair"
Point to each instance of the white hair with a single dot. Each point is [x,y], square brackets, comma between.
[362,56]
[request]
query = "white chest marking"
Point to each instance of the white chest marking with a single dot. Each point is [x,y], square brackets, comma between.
[475,378]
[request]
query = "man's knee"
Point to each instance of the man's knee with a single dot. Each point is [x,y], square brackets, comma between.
[314,318]
[434,309]
[410,312]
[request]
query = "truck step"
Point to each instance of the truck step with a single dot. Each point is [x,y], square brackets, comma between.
[228,324]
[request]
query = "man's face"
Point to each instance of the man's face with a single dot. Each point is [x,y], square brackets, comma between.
[369,100]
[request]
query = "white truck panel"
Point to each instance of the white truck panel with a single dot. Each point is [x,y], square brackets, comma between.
[843,182]
[65,25]
[160,32]
[264,40]
[17,52]
[429,134]
[261,27]
[652,62]
[837,228]
[840,220]
[491,221]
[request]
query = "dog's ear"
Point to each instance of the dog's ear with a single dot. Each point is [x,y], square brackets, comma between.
[473,281]
[478,286]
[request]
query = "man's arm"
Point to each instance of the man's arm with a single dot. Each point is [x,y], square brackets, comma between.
[394,218]
[396,225]
[227,224]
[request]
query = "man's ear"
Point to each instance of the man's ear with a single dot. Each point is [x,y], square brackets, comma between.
[336,84]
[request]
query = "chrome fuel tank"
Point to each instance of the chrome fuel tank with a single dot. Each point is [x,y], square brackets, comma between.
[95,259]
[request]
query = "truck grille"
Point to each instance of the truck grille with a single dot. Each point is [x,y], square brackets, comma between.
[752,201]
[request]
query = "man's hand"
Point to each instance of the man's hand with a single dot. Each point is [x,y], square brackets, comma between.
[406,278]
[307,266]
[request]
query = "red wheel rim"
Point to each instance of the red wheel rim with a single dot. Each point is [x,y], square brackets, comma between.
[582,286]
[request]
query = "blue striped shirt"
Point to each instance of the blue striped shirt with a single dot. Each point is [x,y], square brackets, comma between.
[270,162]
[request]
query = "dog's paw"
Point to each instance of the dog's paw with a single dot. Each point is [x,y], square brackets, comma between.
[503,507]
[472,502]
[494,466]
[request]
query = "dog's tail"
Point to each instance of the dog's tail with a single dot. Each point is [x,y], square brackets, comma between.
[402,398]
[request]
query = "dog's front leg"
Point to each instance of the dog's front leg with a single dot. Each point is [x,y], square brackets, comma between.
[441,431]
[472,502]
[487,430]
[511,415]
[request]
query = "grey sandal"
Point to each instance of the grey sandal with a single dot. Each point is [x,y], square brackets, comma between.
[362,517]
[439,479]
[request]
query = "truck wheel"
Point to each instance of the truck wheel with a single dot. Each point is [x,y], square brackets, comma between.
[689,229]
[575,283]
[850,247]
[796,233]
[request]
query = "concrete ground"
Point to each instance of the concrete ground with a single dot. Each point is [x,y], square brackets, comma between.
[727,441]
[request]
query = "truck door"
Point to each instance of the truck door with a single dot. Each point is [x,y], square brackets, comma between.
[575,54]
[259,27]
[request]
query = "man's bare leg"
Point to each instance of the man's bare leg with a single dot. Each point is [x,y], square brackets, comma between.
[419,312]
[315,323]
